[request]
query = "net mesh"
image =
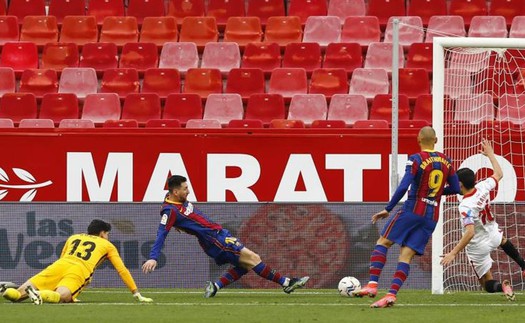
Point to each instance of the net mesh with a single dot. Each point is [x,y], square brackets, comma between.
[484,97]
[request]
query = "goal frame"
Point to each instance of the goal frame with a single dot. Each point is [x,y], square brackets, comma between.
[438,89]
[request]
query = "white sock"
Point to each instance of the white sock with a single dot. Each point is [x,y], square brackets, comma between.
[286,282]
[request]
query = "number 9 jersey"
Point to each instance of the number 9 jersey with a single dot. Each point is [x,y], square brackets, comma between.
[81,255]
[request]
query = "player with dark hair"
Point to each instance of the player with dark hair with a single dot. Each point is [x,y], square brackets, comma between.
[63,280]
[411,227]
[217,242]
[481,234]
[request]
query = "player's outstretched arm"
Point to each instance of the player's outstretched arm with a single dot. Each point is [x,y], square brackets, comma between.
[465,239]
[487,150]
[149,266]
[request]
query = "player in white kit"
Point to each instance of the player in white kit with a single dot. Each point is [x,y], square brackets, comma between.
[481,234]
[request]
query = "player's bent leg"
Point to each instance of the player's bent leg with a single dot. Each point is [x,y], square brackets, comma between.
[34,295]
[295,283]
[387,301]
[377,262]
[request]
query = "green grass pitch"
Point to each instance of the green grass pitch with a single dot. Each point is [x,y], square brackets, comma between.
[235,305]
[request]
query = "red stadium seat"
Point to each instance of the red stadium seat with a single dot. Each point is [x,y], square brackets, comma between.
[223,10]
[382,108]
[369,82]
[423,108]
[79,29]
[507,8]
[119,30]
[308,107]
[203,81]
[18,106]
[6,123]
[22,8]
[284,123]
[302,55]
[223,107]
[328,82]
[76,124]
[7,80]
[124,123]
[420,56]
[99,107]
[346,8]
[122,81]
[426,9]
[468,9]
[245,81]
[348,107]
[81,81]
[3,8]
[495,81]
[266,56]
[328,124]
[371,124]
[183,107]
[445,26]
[265,107]
[223,56]
[306,8]
[19,56]
[474,108]
[140,56]
[384,9]
[59,106]
[265,9]
[322,30]
[100,56]
[163,123]
[412,124]
[36,123]
[457,82]
[159,30]
[62,8]
[39,30]
[367,32]
[288,82]
[145,8]
[413,82]
[38,82]
[58,56]
[141,107]
[199,30]
[245,124]
[181,56]
[379,55]
[488,26]
[283,30]
[410,30]
[203,124]
[181,9]
[243,30]
[343,55]
[104,8]
[161,81]
[517,29]
[8,29]
[511,108]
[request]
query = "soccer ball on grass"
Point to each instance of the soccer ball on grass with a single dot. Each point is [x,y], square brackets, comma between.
[347,285]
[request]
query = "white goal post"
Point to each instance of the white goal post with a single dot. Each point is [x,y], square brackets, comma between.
[479,57]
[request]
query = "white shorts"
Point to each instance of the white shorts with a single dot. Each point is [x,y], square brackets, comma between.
[479,253]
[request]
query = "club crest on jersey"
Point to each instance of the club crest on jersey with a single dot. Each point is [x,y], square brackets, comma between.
[164,219]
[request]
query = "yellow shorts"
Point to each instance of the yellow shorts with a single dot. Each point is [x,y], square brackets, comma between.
[62,273]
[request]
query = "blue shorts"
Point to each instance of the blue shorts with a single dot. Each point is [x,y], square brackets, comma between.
[408,229]
[224,248]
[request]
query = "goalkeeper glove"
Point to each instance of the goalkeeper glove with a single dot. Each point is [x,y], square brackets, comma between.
[141,298]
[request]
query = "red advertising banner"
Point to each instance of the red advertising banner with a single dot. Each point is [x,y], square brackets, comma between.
[132,165]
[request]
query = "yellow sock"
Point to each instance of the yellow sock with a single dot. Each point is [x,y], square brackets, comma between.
[11,294]
[49,296]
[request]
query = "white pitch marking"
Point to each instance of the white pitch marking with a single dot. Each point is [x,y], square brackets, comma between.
[293,304]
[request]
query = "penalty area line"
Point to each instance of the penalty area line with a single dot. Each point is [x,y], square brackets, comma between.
[291,304]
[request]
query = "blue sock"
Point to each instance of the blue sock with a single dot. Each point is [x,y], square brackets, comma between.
[266,272]
[401,274]
[377,262]
[232,275]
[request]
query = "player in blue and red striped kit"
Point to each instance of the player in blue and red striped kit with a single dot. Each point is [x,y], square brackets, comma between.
[216,242]
[426,174]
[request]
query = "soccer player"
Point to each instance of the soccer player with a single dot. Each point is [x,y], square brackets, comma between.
[426,174]
[481,234]
[217,242]
[63,280]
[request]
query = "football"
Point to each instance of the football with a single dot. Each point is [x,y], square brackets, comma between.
[347,285]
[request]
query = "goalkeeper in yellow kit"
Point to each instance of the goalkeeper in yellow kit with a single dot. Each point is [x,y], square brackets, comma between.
[63,280]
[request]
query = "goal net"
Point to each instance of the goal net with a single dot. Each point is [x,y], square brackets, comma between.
[479,92]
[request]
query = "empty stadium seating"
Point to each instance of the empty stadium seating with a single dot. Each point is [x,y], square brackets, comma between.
[266,56]
[121,81]
[79,30]
[104,8]
[22,8]
[141,107]
[369,82]
[181,56]
[159,30]
[243,30]
[59,106]
[38,82]
[223,56]
[161,81]
[343,55]
[265,107]
[346,8]
[19,56]
[322,30]
[308,107]
[328,82]
[283,30]
[302,55]
[183,107]
[223,10]
[7,80]
[81,81]
[245,81]
[199,30]
[203,81]
[58,56]
[288,82]
[139,56]
[99,56]
[348,107]
[62,8]
[18,106]
[9,29]
[223,107]
[119,30]
[99,107]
